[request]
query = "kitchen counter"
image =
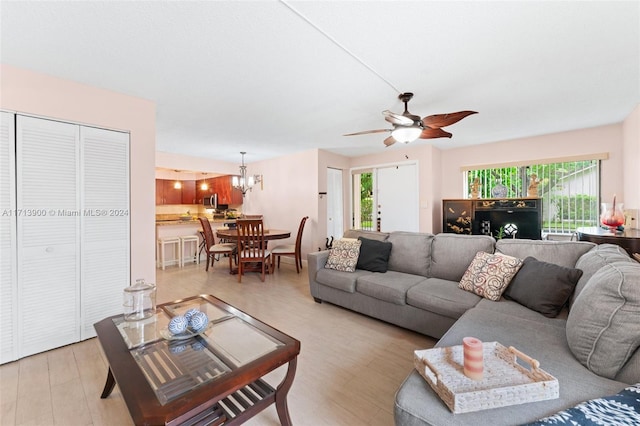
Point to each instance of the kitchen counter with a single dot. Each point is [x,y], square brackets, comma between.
[192,222]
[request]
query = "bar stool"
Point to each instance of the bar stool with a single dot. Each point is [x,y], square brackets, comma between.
[184,240]
[162,242]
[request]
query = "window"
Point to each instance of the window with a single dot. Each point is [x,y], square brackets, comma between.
[569,190]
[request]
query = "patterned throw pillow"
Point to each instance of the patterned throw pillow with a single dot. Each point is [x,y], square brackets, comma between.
[622,408]
[344,255]
[490,274]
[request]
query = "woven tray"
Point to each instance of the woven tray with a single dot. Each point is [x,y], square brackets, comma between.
[505,381]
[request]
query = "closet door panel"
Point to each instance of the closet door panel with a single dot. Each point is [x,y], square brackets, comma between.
[8,280]
[48,206]
[105,229]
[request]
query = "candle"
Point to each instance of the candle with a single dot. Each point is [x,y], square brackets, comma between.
[473,361]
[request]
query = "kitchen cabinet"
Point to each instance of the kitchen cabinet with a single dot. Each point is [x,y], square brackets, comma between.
[189,192]
[221,185]
[513,217]
[67,235]
[166,193]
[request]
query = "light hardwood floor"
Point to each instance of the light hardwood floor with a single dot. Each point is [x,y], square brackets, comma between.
[349,367]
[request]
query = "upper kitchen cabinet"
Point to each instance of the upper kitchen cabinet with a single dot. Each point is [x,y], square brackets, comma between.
[221,185]
[167,193]
[227,194]
[189,192]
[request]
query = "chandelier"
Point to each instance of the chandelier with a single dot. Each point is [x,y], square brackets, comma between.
[243,182]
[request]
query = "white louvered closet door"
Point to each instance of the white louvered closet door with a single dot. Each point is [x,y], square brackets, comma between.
[8,280]
[105,224]
[48,225]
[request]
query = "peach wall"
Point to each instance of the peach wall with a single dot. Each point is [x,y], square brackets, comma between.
[38,94]
[288,192]
[565,144]
[631,162]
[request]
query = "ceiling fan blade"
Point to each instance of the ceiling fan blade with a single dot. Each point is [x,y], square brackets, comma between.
[429,133]
[443,120]
[366,132]
[389,141]
[394,118]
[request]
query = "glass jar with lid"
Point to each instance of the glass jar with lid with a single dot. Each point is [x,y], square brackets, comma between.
[139,301]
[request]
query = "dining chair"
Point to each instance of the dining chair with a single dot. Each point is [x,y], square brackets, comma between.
[212,249]
[251,246]
[290,249]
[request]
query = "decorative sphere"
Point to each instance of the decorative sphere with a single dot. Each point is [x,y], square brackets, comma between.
[190,313]
[198,322]
[176,349]
[197,346]
[178,324]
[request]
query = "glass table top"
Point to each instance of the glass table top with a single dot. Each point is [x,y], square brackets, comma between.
[174,367]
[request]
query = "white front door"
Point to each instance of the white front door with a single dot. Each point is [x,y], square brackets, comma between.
[397,198]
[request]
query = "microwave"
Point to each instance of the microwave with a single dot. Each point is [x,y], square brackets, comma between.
[210,202]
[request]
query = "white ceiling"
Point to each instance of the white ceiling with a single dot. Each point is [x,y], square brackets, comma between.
[230,76]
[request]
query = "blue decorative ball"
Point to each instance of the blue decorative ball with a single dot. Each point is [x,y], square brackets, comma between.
[190,313]
[197,346]
[176,349]
[198,322]
[178,324]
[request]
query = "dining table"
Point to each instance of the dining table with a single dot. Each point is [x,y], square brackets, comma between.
[231,235]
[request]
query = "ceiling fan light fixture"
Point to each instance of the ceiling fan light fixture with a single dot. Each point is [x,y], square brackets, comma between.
[406,134]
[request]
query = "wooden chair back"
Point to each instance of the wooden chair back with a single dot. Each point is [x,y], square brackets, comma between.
[299,241]
[251,245]
[208,234]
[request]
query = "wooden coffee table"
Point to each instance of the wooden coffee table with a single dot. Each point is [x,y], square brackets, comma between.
[212,378]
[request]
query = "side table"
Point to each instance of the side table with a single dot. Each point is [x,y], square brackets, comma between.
[629,239]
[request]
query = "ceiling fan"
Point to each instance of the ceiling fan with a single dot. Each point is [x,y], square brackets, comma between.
[408,127]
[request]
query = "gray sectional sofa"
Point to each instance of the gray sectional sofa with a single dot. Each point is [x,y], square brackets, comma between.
[591,347]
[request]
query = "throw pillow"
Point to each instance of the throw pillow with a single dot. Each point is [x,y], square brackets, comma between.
[543,287]
[344,255]
[374,255]
[488,275]
[602,326]
[622,408]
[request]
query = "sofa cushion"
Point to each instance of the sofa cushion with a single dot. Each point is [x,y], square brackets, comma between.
[542,286]
[488,275]
[603,325]
[510,307]
[442,297]
[345,281]
[563,253]
[451,254]
[391,286]
[343,256]
[372,235]
[374,255]
[411,252]
[596,258]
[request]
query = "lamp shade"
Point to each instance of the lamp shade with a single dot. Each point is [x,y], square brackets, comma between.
[406,134]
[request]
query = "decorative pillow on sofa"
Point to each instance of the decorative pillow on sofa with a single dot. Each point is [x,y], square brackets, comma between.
[488,275]
[543,287]
[622,408]
[602,326]
[374,255]
[344,255]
